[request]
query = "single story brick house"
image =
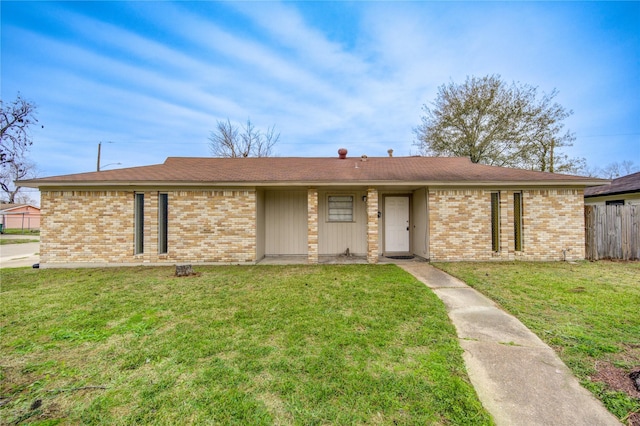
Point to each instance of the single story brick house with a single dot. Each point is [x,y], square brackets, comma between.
[242,210]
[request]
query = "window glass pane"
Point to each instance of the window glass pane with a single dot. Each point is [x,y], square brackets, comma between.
[495,221]
[139,223]
[517,221]
[341,208]
[163,222]
[346,198]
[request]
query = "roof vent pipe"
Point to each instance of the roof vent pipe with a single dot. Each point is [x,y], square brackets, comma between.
[342,153]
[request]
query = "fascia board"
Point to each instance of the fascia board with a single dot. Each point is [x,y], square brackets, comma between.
[50,185]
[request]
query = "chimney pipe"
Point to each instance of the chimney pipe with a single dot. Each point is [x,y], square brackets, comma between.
[342,153]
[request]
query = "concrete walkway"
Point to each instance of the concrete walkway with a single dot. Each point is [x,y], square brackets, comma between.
[519,379]
[19,255]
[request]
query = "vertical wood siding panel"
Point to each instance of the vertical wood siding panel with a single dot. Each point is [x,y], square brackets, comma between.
[419,227]
[612,232]
[336,237]
[286,223]
[260,225]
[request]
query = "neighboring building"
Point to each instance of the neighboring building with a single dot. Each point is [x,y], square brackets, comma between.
[19,216]
[241,210]
[621,191]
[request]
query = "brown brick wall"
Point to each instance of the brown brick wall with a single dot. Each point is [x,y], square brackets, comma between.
[553,223]
[373,234]
[98,227]
[219,226]
[86,226]
[312,226]
[212,226]
[460,225]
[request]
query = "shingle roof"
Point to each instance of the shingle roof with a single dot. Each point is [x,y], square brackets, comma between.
[305,170]
[5,206]
[621,185]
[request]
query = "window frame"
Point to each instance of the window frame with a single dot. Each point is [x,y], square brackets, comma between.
[163,223]
[495,222]
[138,223]
[353,206]
[518,214]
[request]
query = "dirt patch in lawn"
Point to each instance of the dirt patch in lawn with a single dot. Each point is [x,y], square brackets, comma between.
[618,379]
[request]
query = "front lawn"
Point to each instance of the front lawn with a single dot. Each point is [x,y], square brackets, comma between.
[588,312]
[347,344]
[18,231]
[5,241]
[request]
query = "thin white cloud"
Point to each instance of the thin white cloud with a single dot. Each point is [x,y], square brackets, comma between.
[277,63]
[284,23]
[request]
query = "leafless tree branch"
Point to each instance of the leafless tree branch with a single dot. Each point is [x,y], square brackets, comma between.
[231,141]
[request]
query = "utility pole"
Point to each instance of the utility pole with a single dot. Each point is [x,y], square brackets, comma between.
[99,146]
[99,166]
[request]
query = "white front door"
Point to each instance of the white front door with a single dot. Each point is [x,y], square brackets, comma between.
[396,224]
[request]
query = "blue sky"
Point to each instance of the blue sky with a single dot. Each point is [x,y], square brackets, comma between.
[153,78]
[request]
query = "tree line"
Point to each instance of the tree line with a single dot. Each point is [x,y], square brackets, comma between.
[484,118]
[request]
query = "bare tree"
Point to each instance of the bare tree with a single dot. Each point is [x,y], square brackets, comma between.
[224,140]
[26,198]
[498,124]
[588,170]
[265,142]
[610,171]
[15,120]
[229,140]
[616,170]
[11,172]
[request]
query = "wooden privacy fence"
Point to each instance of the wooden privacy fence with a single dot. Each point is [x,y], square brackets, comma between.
[612,232]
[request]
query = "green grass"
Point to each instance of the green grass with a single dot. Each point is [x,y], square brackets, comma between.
[300,345]
[4,241]
[17,231]
[588,312]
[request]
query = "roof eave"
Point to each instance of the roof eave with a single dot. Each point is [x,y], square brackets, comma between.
[606,194]
[436,183]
